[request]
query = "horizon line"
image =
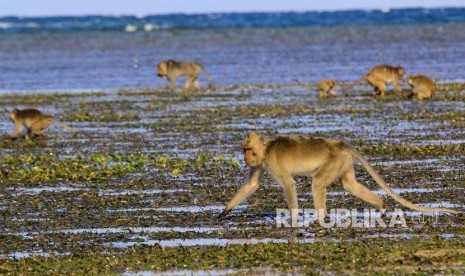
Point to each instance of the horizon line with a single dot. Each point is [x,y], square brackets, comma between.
[141,15]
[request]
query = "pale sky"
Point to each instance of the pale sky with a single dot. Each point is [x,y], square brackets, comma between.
[152,7]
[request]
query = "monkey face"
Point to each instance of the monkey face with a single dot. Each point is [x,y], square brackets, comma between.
[161,70]
[13,114]
[253,157]
[254,150]
[250,157]
[410,81]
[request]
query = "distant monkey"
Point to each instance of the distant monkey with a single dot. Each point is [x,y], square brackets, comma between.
[171,69]
[384,74]
[422,86]
[322,159]
[34,121]
[325,88]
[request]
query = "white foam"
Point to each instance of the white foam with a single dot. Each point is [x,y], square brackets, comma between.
[4,25]
[150,27]
[130,28]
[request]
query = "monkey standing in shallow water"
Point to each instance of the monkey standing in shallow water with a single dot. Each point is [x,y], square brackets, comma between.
[171,69]
[323,159]
[34,121]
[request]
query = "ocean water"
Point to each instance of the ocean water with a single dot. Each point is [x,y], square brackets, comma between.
[103,52]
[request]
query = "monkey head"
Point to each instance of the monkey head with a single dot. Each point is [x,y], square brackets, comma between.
[410,80]
[387,69]
[13,114]
[331,83]
[162,69]
[254,149]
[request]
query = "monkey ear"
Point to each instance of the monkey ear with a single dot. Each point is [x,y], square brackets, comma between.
[263,139]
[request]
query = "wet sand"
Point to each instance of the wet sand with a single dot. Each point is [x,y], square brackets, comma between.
[157,167]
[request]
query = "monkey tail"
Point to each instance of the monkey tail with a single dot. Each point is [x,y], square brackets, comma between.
[209,80]
[68,128]
[390,192]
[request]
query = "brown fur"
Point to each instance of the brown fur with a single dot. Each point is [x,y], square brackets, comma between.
[171,69]
[384,74]
[323,159]
[34,121]
[422,86]
[325,88]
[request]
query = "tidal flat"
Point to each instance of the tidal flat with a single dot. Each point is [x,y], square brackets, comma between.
[139,188]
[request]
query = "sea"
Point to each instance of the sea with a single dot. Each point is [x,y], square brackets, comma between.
[92,53]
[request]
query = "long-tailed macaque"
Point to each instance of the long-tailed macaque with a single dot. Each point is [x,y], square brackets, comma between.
[34,121]
[384,74]
[422,86]
[325,88]
[322,159]
[171,69]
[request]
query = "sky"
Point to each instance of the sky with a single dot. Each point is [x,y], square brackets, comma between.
[151,7]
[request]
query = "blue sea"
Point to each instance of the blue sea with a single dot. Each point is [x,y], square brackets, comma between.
[89,53]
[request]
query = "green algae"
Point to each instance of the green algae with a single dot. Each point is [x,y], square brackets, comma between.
[378,256]
[151,151]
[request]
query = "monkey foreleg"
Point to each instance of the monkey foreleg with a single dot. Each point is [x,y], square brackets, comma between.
[16,132]
[244,192]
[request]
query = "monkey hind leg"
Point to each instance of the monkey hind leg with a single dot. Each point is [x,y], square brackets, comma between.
[353,187]
[422,95]
[196,85]
[373,83]
[319,198]
[376,92]
[39,126]
[379,86]
[188,84]
[381,89]
[29,134]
